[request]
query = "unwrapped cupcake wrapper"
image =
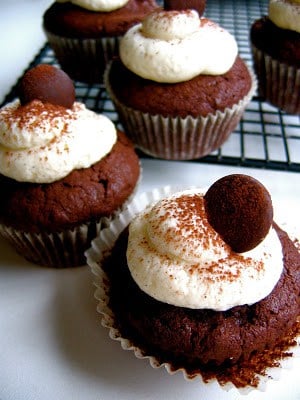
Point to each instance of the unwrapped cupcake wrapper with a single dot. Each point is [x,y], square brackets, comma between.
[83,59]
[278,83]
[177,138]
[101,247]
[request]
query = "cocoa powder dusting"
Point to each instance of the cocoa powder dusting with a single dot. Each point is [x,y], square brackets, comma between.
[26,115]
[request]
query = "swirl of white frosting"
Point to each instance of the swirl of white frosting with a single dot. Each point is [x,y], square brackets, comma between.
[40,144]
[285,14]
[97,5]
[175,256]
[174,46]
[170,25]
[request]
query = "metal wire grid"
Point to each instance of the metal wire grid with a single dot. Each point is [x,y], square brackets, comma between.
[265,137]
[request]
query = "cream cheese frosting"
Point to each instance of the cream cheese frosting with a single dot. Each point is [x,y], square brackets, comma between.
[175,256]
[97,5]
[285,14]
[42,143]
[175,46]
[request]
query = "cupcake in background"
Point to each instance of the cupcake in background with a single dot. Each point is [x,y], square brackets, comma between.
[275,41]
[85,34]
[201,281]
[64,170]
[179,87]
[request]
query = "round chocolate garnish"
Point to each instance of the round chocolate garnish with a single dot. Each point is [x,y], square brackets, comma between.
[47,84]
[240,209]
[198,5]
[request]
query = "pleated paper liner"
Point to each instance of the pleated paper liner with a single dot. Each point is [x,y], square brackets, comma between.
[278,83]
[83,59]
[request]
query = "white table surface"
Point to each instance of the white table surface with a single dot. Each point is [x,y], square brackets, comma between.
[51,343]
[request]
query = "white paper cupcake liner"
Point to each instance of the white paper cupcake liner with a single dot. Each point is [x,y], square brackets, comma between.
[177,138]
[83,59]
[278,83]
[101,247]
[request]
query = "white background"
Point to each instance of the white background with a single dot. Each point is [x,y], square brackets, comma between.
[51,343]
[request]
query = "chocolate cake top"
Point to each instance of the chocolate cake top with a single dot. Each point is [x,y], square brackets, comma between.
[281,44]
[69,20]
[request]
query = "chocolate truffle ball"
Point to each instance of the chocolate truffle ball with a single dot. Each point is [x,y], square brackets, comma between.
[198,5]
[47,84]
[240,209]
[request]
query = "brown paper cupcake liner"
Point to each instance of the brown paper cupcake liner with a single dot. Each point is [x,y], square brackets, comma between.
[101,248]
[83,59]
[278,83]
[177,138]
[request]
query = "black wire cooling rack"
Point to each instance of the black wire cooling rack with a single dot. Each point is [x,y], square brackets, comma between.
[265,137]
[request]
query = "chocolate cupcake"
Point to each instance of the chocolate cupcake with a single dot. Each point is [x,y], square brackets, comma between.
[180,87]
[85,35]
[275,41]
[171,288]
[65,170]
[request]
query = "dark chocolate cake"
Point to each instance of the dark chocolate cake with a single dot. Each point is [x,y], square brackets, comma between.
[201,95]
[69,20]
[281,44]
[83,195]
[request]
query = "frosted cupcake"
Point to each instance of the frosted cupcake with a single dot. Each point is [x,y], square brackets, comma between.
[179,87]
[201,281]
[85,34]
[275,45]
[64,170]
